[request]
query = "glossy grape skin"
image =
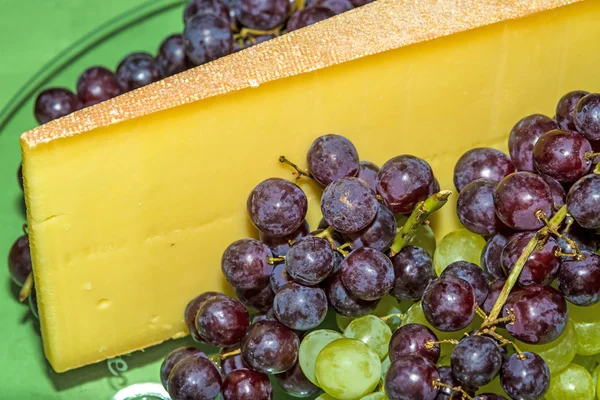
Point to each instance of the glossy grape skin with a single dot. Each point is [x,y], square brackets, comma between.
[263,14]
[559,196]
[372,331]
[300,307]
[587,326]
[258,299]
[95,85]
[491,256]
[561,155]
[279,277]
[280,245]
[584,238]
[404,181]
[411,339]
[471,273]
[449,304]
[574,383]
[476,360]
[367,273]
[541,266]
[309,260]
[367,171]
[171,55]
[337,6]
[579,280]
[248,385]
[566,107]
[222,321]
[482,162]
[138,70]
[233,362]
[493,293]
[269,347]
[587,116]
[523,137]
[540,312]
[19,260]
[311,346]
[379,234]
[194,378]
[216,7]
[348,205]
[411,377]
[344,302]
[526,379]
[245,264]
[330,157]
[447,378]
[54,103]
[173,358]
[191,311]
[295,383]
[458,245]
[413,269]
[207,37]
[519,196]
[583,201]
[308,16]
[476,209]
[264,316]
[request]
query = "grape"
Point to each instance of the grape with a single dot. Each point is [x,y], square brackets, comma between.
[294,382]
[587,326]
[54,103]
[559,196]
[379,234]
[587,116]
[411,339]
[449,304]
[458,245]
[247,384]
[579,280]
[325,396]
[19,260]
[489,396]
[411,377]
[344,302]
[367,171]
[279,277]
[171,55]
[523,137]
[347,369]
[330,157]
[277,207]
[173,358]
[309,260]
[311,346]
[525,379]
[207,37]
[280,245]
[471,273]
[263,14]
[308,16]
[137,70]
[338,7]
[245,264]
[233,362]
[300,307]
[566,107]
[541,266]
[269,347]
[216,7]
[338,240]
[259,299]
[95,85]
[483,162]
[403,182]
[413,269]
[583,201]
[561,155]
[264,316]
[191,311]
[348,205]
[519,196]
[367,273]
[387,306]
[342,322]
[476,360]
[584,239]
[494,292]
[374,396]
[476,209]
[574,383]
[194,377]
[540,314]
[358,3]
[372,331]
[491,256]
[20,175]
[447,378]
[587,362]
[222,321]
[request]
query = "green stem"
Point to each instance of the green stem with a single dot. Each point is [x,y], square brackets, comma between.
[223,356]
[597,169]
[327,234]
[26,289]
[299,171]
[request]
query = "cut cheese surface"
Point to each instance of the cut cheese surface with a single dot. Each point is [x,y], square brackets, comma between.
[128,220]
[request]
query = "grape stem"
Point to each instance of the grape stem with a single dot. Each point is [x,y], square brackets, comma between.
[222,356]
[503,341]
[26,289]
[25,229]
[275,260]
[251,33]
[417,218]
[328,235]
[299,172]
[597,169]
[430,344]
[439,384]
[386,318]
[342,249]
[588,156]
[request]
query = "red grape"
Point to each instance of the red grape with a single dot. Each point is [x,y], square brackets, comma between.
[194,377]
[491,256]
[171,55]
[233,362]
[173,358]
[471,273]
[259,299]
[447,378]
[222,321]
[541,266]
[269,347]
[344,302]
[207,37]
[337,6]
[476,208]
[308,16]
[482,162]
[280,245]
[583,201]
[579,280]
[523,137]
[367,273]
[246,384]
[191,311]
[263,14]
[97,84]
[476,360]
[561,155]
[411,339]
[348,205]
[309,260]
[413,269]
[294,382]
[559,196]
[245,264]
[19,260]
[566,107]
[527,379]
[54,103]
[379,234]
[300,307]
[137,70]
[368,172]
[331,157]
[494,292]
[449,304]
[411,377]
[216,7]
[587,116]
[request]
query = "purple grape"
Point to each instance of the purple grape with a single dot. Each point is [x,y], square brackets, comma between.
[559,196]
[411,377]
[471,273]
[562,155]
[277,207]
[280,245]
[412,339]
[527,379]
[138,70]
[476,360]
[295,383]
[491,256]
[263,14]
[222,321]
[413,269]
[367,171]
[20,176]
[489,396]
[540,314]
[344,302]
[519,196]
[207,37]
[19,260]
[587,116]
[449,304]
[541,266]
[233,362]
[196,378]
[309,260]
[584,238]
[367,273]
[404,181]
[476,208]
[264,316]
[246,384]
[54,103]
[191,311]
[523,137]
[216,7]
[331,157]
[579,280]
[95,85]
[566,107]
[173,358]
[494,291]
[348,205]
[300,307]
[259,299]
[583,201]
[171,55]
[245,264]
[338,240]
[448,379]
[359,3]
[279,277]
[308,16]
[269,347]
[337,6]
[379,234]
[482,162]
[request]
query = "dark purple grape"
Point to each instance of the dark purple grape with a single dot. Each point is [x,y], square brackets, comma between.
[587,116]
[138,70]
[476,360]
[264,316]
[491,256]
[19,260]
[245,264]
[337,6]
[584,238]
[411,377]
[216,7]
[300,307]
[246,384]
[259,299]
[338,240]
[194,378]
[412,339]
[413,269]
[308,16]
[449,304]
[566,107]
[527,379]
[523,137]
[562,155]
[344,302]
[173,358]
[277,207]
[559,196]
[348,205]
[279,277]
[269,347]
[494,292]
[20,176]
[295,383]
[489,396]
[33,303]
[191,311]
[579,280]
[379,234]
[331,157]
[280,245]
[263,14]
[583,201]
[309,260]
[359,3]
[541,266]
[207,37]
[519,196]
[540,314]
[448,379]
[171,55]
[482,162]
[222,321]
[476,208]
[54,103]
[404,181]
[367,171]
[97,84]
[233,362]
[367,273]
[471,273]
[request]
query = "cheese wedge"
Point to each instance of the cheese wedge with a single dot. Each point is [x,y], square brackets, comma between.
[131,202]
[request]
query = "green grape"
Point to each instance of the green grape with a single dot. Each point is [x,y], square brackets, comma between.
[424,237]
[458,245]
[387,306]
[342,322]
[311,346]
[587,325]
[597,357]
[385,365]
[348,369]
[374,396]
[574,383]
[595,378]
[372,331]
[587,362]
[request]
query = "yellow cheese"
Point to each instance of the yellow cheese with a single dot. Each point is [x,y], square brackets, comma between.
[131,203]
